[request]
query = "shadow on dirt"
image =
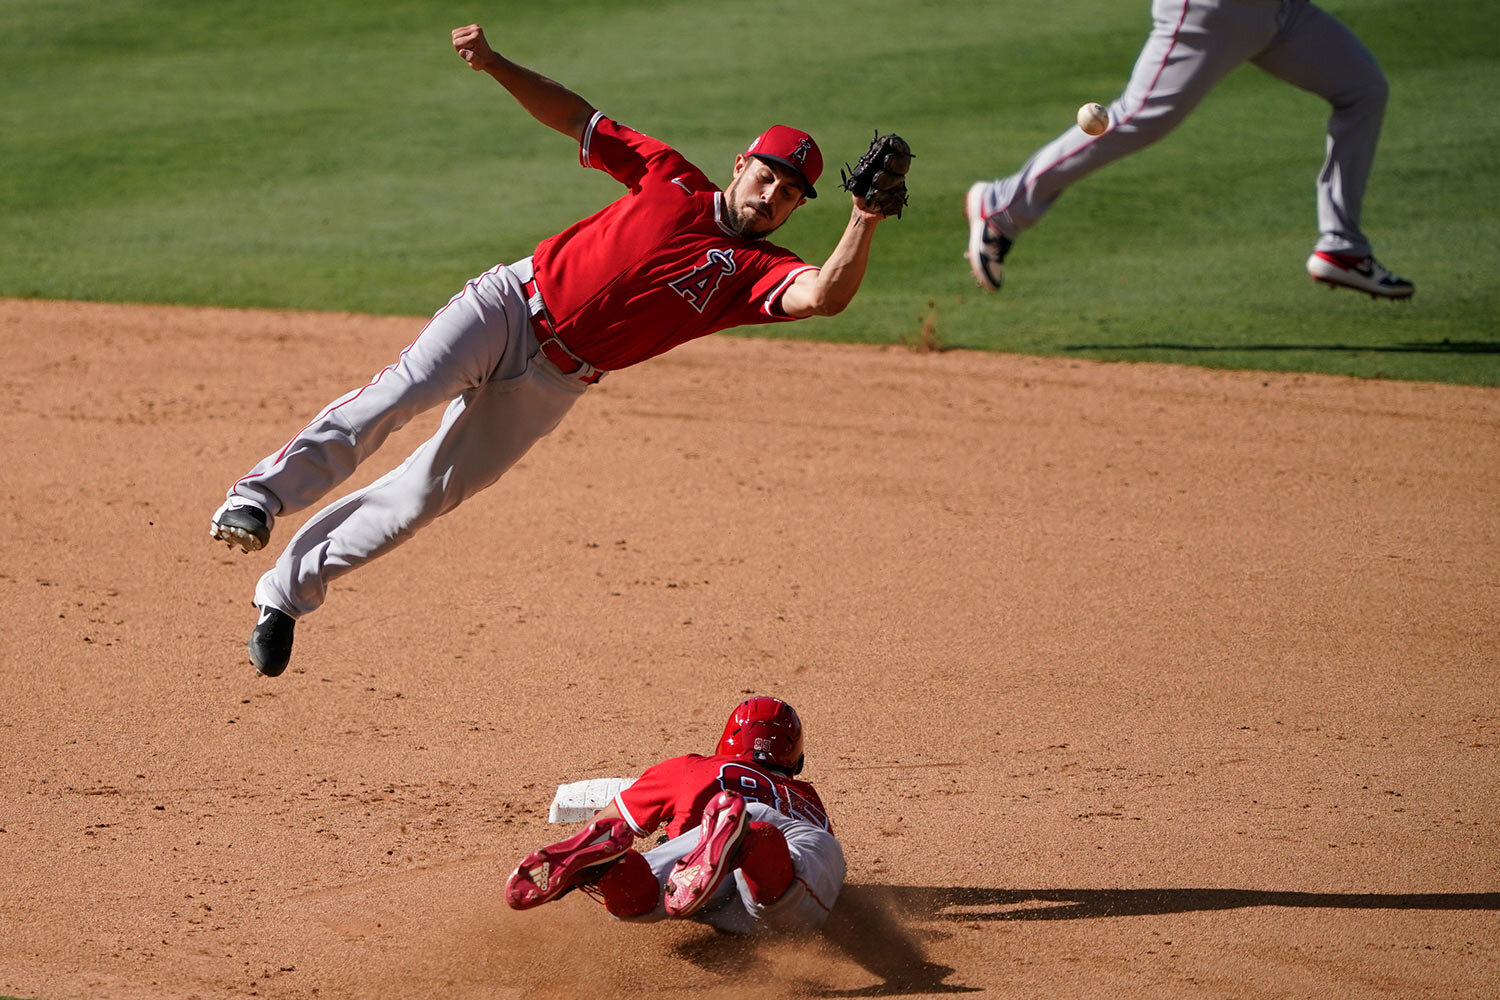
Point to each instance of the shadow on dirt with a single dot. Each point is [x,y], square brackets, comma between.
[870,924]
[971,904]
[1411,347]
[867,926]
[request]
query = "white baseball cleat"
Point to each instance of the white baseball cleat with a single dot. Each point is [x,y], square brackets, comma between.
[987,246]
[1363,274]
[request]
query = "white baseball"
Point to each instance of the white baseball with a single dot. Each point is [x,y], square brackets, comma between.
[1093,119]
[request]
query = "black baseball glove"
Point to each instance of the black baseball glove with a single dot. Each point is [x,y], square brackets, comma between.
[880,175]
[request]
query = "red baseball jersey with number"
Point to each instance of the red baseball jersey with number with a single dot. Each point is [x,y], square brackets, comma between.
[658,267]
[675,791]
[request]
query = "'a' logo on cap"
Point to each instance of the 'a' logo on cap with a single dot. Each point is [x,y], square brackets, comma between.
[803,148]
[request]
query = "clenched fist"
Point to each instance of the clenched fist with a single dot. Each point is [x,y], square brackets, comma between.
[469,42]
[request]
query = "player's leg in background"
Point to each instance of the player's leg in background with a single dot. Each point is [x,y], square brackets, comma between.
[1318,54]
[630,889]
[817,876]
[458,349]
[483,433]
[766,870]
[662,859]
[723,910]
[1192,46]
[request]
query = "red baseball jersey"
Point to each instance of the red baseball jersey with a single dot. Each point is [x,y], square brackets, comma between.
[658,267]
[675,792]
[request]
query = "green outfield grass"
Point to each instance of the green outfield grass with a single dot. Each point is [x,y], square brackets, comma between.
[341,157]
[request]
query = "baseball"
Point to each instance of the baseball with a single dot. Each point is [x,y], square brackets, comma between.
[1093,119]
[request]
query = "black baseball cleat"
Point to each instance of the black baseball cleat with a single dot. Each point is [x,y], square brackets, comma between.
[245,524]
[271,642]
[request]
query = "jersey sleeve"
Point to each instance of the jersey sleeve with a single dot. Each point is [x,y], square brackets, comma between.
[767,291]
[650,801]
[625,154]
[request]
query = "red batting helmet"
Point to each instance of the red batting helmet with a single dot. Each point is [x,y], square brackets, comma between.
[767,731]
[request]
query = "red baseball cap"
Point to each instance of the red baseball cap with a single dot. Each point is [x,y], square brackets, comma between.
[793,149]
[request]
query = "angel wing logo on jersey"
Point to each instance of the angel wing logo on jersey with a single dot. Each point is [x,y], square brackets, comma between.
[699,284]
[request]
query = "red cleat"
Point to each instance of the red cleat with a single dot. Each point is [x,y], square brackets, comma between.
[551,872]
[701,871]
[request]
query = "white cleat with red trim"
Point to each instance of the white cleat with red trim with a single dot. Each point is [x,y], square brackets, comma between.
[1363,274]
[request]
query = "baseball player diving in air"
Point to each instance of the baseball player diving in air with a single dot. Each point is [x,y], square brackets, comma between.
[750,847]
[673,259]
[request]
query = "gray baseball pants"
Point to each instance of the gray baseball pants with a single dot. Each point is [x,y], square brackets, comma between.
[479,355]
[817,861]
[1193,45]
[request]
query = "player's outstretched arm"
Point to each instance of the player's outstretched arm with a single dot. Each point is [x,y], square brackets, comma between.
[828,290]
[548,101]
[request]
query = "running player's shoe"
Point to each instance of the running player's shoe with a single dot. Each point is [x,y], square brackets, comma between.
[1363,274]
[987,245]
[551,872]
[242,523]
[271,642]
[700,872]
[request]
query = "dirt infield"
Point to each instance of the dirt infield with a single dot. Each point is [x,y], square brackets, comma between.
[1120,680]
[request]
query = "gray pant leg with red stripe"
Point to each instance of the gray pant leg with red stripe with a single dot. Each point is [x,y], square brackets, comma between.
[818,878]
[477,355]
[1315,52]
[1193,45]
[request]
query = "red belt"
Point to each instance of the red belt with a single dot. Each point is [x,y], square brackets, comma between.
[552,348]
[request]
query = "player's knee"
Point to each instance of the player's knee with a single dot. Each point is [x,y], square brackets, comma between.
[630,888]
[1378,91]
[766,862]
[1364,94]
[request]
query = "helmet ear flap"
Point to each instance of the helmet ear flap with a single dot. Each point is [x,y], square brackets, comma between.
[802,759]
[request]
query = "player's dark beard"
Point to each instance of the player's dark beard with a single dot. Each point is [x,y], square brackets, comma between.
[735,220]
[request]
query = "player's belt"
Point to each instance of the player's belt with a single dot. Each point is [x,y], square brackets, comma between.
[552,348]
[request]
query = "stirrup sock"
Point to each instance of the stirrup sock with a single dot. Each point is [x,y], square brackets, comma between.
[766,862]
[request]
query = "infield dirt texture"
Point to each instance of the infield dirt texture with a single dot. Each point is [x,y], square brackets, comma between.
[1120,680]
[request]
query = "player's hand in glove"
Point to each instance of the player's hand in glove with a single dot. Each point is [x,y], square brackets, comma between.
[878,180]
